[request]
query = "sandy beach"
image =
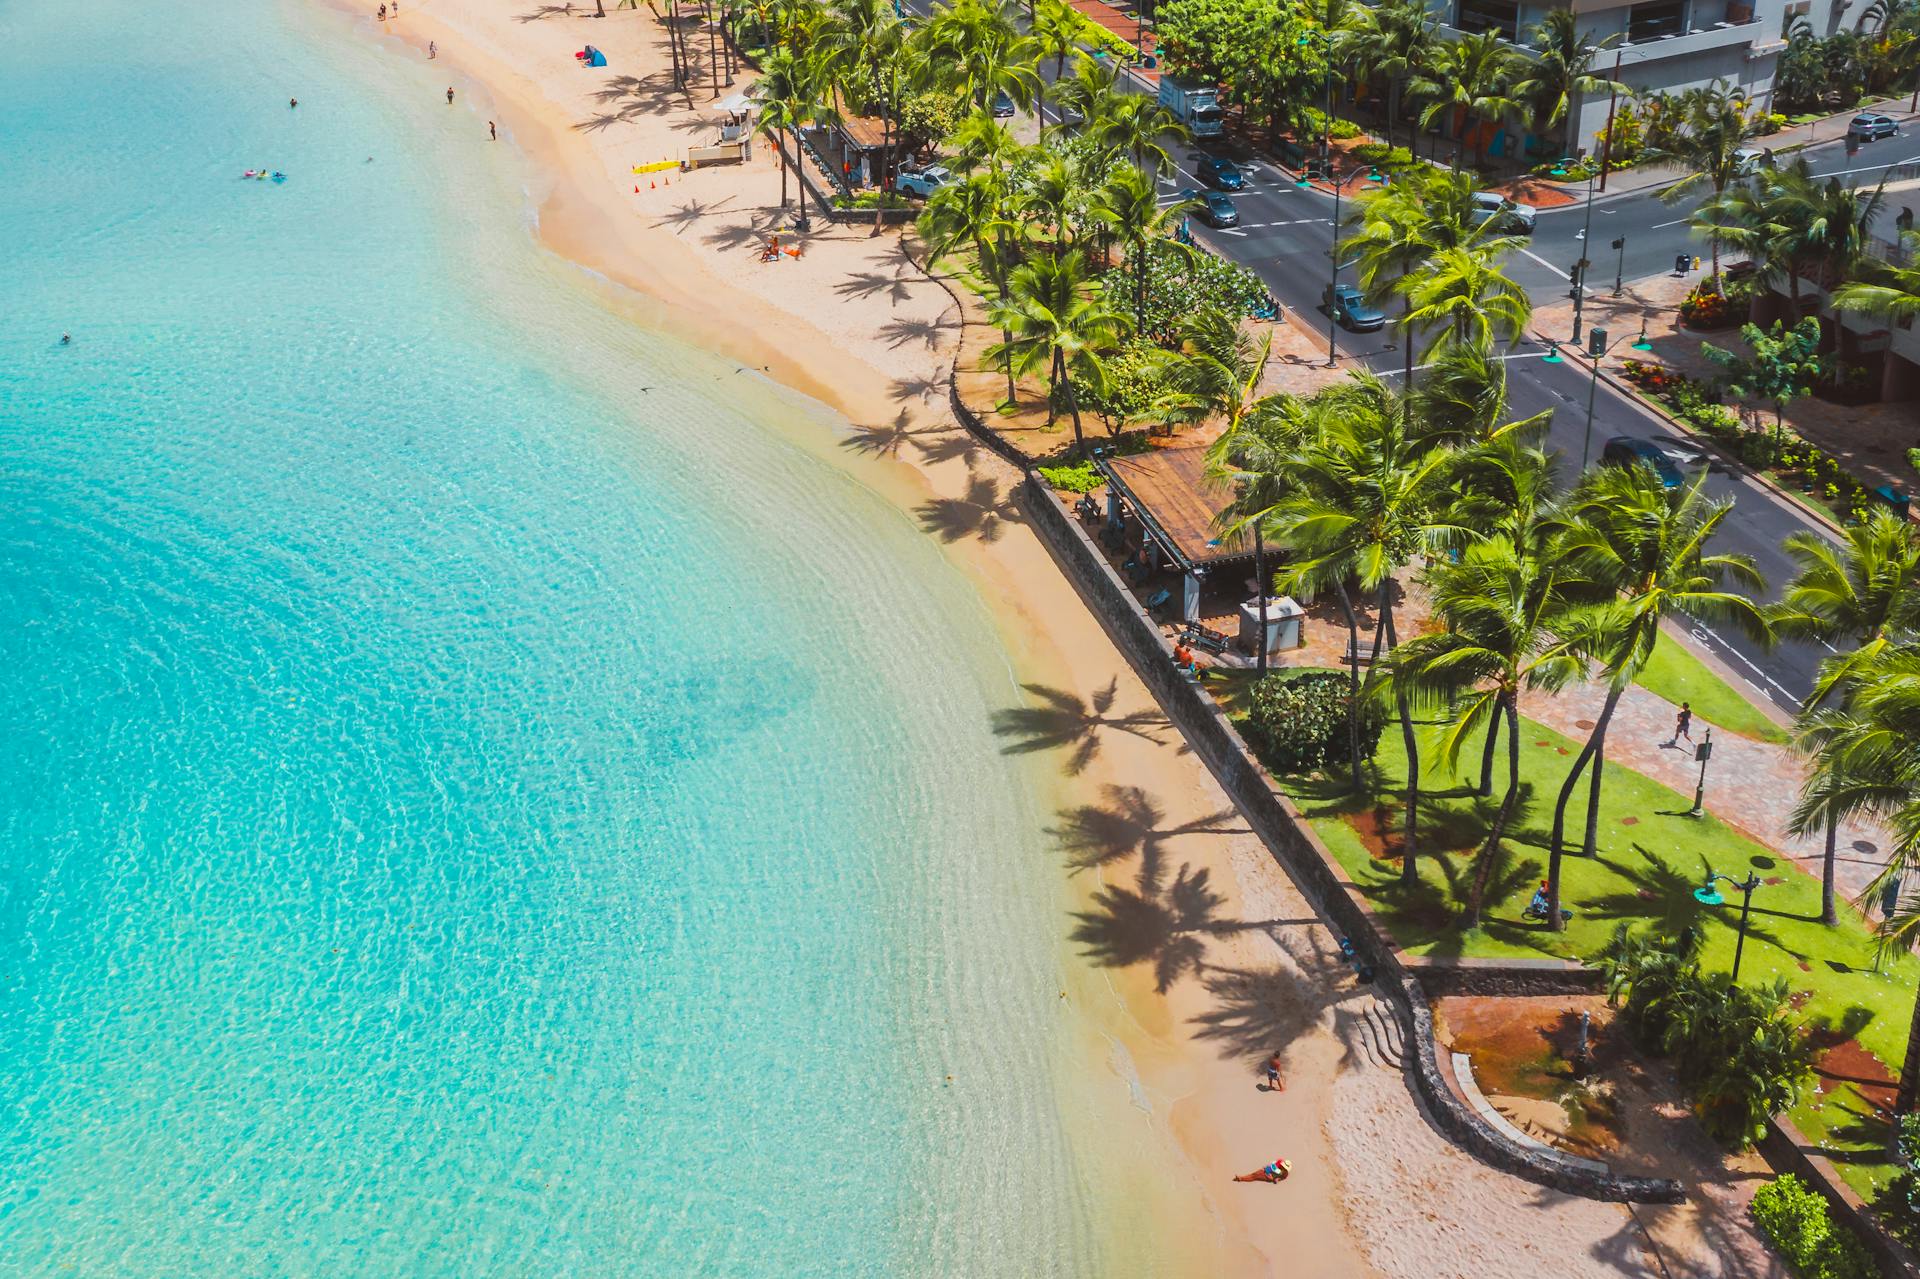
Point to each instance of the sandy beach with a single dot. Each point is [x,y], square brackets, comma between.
[854,323]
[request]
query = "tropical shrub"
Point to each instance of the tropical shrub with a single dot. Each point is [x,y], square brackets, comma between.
[1913,458]
[1298,720]
[1629,138]
[1899,1201]
[1081,478]
[1371,152]
[1733,1048]
[1706,307]
[1182,282]
[1344,130]
[1796,1221]
[1133,383]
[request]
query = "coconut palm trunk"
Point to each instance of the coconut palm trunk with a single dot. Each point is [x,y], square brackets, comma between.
[1557,845]
[1910,1071]
[1590,840]
[1829,910]
[1487,752]
[1489,852]
[1353,680]
[1409,867]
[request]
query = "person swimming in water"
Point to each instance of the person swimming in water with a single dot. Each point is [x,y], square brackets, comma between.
[66,339]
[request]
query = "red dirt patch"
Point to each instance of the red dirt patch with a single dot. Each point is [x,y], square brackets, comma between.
[1373,827]
[1849,1065]
[1624,821]
[1534,191]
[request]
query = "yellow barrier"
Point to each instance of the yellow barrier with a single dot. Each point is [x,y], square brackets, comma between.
[656,166]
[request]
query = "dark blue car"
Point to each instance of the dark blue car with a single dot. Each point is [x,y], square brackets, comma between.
[1212,208]
[1627,450]
[1221,173]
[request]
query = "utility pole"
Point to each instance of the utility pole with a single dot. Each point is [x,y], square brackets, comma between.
[1580,271]
[1606,139]
[1619,265]
[1596,350]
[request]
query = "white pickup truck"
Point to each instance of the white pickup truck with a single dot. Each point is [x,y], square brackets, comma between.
[922,182]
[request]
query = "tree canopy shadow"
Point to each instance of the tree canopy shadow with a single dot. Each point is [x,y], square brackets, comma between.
[896,286]
[1064,721]
[918,386]
[900,331]
[1165,928]
[1127,824]
[690,213]
[979,513]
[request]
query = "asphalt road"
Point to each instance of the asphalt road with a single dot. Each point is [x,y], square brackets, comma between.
[1284,236]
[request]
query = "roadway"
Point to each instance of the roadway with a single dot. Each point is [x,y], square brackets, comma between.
[1284,236]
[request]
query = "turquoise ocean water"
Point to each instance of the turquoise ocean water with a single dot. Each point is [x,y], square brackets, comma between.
[475,798]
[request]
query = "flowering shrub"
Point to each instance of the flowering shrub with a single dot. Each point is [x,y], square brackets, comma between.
[1706,308]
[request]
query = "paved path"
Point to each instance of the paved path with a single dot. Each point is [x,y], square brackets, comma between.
[1750,785]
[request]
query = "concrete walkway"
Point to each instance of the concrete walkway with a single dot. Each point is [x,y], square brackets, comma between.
[1751,785]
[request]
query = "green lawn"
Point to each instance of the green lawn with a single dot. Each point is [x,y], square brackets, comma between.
[1679,676]
[1649,860]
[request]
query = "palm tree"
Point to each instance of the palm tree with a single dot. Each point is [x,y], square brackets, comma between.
[781,107]
[1398,230]
[1888,290]
[975,212]
[1367,494]
[1866,747]
[1056,34]
[1253,457]
[1643,547]
[1390,42]
[1057,318]
[1714,129]
[1862,595]
[1768,220]
[1562,69]
[1139,127]
[1502,603]
[1128,204]
[980,44]
[1467,292]
[1217,374]
[1463,398]
[1472,79]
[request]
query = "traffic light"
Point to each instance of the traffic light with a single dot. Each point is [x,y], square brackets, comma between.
[1596,342]
[1618,244]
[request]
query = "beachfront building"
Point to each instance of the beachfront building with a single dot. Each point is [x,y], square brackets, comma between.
[1664,46]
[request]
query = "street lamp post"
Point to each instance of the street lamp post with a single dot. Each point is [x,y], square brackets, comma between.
[1333,255]
[1580,272]
[1619,265]
[1708,895]
[1597,348]
[1703,752]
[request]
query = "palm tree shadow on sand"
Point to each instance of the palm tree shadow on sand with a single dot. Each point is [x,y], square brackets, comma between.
[1166,929]
[980,513]
[1128,824]
[1063,720]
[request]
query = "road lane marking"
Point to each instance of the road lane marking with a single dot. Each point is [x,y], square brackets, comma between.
[1550,266]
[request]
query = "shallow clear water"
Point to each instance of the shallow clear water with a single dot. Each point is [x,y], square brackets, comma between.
[475,799]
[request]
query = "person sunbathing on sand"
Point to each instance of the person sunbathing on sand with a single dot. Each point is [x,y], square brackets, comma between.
[1276,1172]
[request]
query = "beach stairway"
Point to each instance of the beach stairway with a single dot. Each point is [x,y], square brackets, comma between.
[1376,1034]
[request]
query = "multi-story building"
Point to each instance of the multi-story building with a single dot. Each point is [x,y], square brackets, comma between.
[1666,45]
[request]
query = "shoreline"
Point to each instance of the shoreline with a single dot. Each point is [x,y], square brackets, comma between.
[1199,1106]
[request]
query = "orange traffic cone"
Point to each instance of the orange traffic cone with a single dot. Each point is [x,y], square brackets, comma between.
[652,185]
[636,188]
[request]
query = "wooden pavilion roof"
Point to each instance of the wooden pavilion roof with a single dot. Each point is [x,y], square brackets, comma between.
[1172,489]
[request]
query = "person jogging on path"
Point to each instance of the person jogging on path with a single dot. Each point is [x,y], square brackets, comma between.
[1683,725]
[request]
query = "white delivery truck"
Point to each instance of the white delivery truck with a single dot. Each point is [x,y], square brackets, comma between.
[1198,109]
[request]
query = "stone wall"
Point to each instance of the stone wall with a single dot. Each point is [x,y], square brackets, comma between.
[1443,977]
[1293,844]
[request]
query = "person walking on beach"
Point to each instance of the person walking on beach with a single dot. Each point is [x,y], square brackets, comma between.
[432,52]
[382,14]
[493,134]
[1273,1074]
[449,95]
[1682,725]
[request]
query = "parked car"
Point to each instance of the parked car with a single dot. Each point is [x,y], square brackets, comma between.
[923,182]
[1631,450]
[1221,173]
[1513,217]
[1213,208]
[1867,126]
[1354,313]
[1002,106]
[1748,161]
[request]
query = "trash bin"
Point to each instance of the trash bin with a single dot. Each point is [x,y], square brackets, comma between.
[1283,624]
